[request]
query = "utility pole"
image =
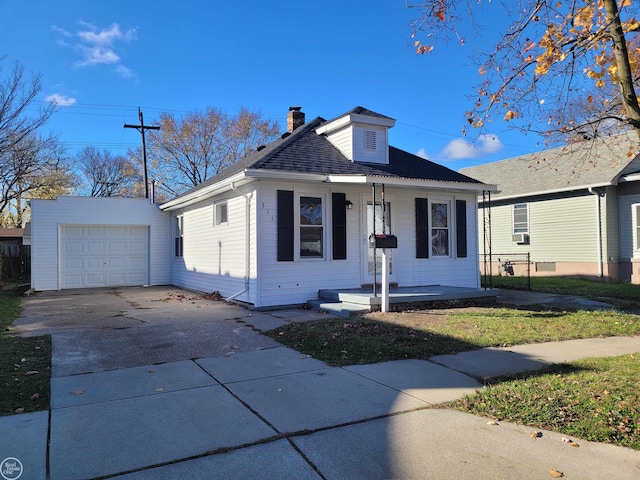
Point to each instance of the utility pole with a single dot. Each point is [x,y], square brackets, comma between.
[141,128]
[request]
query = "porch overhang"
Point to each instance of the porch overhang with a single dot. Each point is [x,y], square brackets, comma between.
[370,180]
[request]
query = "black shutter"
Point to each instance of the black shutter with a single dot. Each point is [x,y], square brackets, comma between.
[422,228]
[285,226]
[339,225]
[461,228]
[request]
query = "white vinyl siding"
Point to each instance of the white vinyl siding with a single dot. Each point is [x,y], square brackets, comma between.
[283,283]
[366,149]
[215,256]
[49,217]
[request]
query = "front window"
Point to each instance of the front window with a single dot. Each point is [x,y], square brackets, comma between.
[521,218]
[440,229]
[311,227]
[179,236]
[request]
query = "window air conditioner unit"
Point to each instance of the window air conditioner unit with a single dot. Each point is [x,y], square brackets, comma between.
[520,238]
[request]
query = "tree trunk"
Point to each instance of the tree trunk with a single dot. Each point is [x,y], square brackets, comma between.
[625,78]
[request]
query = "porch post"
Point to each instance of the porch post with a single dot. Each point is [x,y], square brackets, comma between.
[385,280]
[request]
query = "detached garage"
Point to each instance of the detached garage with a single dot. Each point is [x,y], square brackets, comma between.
[128,247]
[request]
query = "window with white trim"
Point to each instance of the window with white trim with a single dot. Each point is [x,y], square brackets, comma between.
[521,218]
[311,227]
[179,237]
[220,214]
[440,229]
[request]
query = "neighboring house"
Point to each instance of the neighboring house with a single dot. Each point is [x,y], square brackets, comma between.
[295,217]
[10,241]
[576,209]
[14,255]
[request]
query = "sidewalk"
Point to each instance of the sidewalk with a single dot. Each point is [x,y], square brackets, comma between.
[276,413]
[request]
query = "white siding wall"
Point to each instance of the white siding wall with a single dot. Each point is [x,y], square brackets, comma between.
[360,154]
[342,140]
[48,215]
[215,255]
[560,230]
[282,283]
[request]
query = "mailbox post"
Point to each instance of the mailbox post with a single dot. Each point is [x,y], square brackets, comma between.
[384,242]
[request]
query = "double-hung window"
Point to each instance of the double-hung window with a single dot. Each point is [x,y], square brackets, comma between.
[521,218]
[311,227]
[179,236]
[440,229]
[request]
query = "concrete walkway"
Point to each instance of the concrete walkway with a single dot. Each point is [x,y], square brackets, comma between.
[275,413]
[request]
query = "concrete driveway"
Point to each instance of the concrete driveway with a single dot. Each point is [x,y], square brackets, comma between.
[105,329]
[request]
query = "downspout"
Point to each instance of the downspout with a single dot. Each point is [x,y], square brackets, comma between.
[247,265]
[600,265]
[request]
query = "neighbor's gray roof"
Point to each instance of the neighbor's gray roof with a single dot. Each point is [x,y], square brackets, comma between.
[304,151]
[572,167]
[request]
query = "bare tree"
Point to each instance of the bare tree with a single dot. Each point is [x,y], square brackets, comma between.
[560,69]
[187,151]
[107,175]
[34,167]
[26,159]
[17,94]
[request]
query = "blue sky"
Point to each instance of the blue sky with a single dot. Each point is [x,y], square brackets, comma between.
[103,59]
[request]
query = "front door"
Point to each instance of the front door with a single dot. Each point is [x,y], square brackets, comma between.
[374,217]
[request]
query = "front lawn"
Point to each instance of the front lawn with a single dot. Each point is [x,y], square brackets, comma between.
[379,337]
[25,363]
[597,399]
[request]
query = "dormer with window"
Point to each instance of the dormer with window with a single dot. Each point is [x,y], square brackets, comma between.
[361,135]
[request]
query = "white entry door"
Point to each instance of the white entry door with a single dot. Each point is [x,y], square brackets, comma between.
[374,217]
[103,256]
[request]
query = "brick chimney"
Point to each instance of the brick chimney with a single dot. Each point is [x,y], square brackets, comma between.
[295,118]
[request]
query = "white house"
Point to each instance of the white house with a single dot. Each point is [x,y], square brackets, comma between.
[295,217]
[575,209]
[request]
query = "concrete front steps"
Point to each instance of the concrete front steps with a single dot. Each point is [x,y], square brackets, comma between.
[347,302]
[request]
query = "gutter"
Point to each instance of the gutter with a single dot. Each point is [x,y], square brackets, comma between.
[200,194]
[599,226]
[247,264]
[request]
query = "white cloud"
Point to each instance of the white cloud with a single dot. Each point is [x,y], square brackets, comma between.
[97,46]
[461,148]
[60,100]
[422,153]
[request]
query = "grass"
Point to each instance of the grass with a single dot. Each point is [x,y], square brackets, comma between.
[594,399]
[591,289]
[379,337]
[22,389]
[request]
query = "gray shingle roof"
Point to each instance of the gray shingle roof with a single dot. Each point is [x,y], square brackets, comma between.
[574,166]
[304,151]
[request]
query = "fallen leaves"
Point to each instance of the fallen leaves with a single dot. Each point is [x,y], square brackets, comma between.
[535,434]
[31,372]
[555,473]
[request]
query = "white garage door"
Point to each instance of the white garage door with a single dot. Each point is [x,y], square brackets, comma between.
[103,256]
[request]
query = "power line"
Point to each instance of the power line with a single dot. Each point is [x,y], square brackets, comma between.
[141,128]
